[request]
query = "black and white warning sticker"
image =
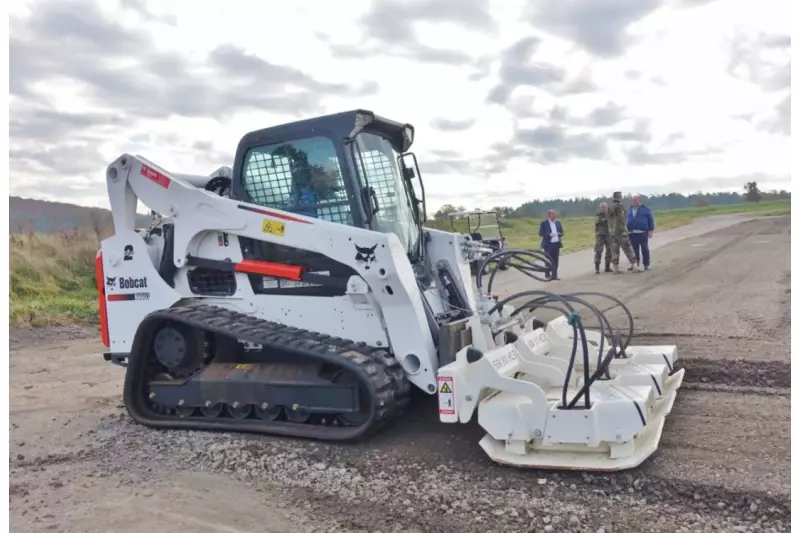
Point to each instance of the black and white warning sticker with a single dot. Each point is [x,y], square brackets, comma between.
[447,405]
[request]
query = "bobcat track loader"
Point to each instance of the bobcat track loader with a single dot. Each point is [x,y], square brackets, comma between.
[298,294]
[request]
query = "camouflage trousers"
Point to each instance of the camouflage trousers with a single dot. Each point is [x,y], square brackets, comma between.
[624,242]
[601,242]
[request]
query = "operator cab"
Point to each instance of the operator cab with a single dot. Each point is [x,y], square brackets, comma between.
[348,168]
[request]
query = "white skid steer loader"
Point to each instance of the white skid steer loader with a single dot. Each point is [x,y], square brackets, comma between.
[299,294]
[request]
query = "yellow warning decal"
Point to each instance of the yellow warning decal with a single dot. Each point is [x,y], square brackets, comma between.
[242,366]
[273,227]
[446,388]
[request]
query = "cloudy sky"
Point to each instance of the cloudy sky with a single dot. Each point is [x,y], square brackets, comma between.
[512,99]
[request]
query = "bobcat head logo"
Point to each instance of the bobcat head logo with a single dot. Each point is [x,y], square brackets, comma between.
[365,255]
[110,281]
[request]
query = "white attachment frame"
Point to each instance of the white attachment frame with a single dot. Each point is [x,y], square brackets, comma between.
[517,391]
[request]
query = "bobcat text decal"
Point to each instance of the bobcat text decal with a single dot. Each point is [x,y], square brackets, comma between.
[126,283]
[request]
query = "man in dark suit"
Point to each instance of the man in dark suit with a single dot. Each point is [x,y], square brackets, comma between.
[552,235]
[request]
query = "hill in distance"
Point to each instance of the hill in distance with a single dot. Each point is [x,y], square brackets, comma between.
[41,216]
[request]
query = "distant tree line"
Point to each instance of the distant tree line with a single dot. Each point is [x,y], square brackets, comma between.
[581,207]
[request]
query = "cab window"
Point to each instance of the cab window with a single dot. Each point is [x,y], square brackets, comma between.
[301,176]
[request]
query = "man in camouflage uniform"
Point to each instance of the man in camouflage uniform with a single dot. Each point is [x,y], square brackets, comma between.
[617,228]
[601,238]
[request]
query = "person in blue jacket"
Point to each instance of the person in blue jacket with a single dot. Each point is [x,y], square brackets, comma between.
[552,234]
[640,229]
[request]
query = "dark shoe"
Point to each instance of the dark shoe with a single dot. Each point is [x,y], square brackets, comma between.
[597,268]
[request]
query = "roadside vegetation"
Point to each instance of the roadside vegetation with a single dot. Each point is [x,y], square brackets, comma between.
[52,278]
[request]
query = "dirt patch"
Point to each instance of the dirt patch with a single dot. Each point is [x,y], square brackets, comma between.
[20,337]
[773,374]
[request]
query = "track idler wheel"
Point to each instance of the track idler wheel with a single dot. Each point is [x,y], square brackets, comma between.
[179,348]
[297,415]
[269,412]
[212,411]
[184,412]
[240,412]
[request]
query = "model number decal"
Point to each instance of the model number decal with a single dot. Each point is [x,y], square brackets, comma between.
[129,297]
[273,227]
[500,359]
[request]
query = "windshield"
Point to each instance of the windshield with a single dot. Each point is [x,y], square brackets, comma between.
[377,166]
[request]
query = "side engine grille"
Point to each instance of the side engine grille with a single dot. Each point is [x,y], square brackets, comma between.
[209,282]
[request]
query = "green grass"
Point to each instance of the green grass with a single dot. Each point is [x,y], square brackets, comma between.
[579,232]
[52,276]
[52,279]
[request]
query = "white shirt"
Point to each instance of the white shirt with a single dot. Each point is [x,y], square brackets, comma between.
[553,231]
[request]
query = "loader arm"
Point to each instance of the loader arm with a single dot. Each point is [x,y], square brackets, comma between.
[378,258]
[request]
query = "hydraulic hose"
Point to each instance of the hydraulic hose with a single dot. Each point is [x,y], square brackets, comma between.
[535,262]
[539,304]
[624,308]
[575,321]
[542,302]
[528,267]
[602,319]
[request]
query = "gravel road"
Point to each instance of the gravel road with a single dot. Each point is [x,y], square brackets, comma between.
[78,464]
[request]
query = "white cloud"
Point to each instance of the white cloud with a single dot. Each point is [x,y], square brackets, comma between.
[692,94]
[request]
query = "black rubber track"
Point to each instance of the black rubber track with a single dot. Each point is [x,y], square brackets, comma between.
[378,372]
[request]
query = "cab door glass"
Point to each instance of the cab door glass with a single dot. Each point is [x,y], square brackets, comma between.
[377,165]
[301,176]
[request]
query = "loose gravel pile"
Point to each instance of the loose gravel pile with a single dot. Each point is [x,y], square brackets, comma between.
[413,497]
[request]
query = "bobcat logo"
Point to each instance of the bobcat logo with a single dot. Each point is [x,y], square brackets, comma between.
[365,255]
[110,282]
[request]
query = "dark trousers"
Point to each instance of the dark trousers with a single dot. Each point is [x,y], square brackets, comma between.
[641,247]
[553,249]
